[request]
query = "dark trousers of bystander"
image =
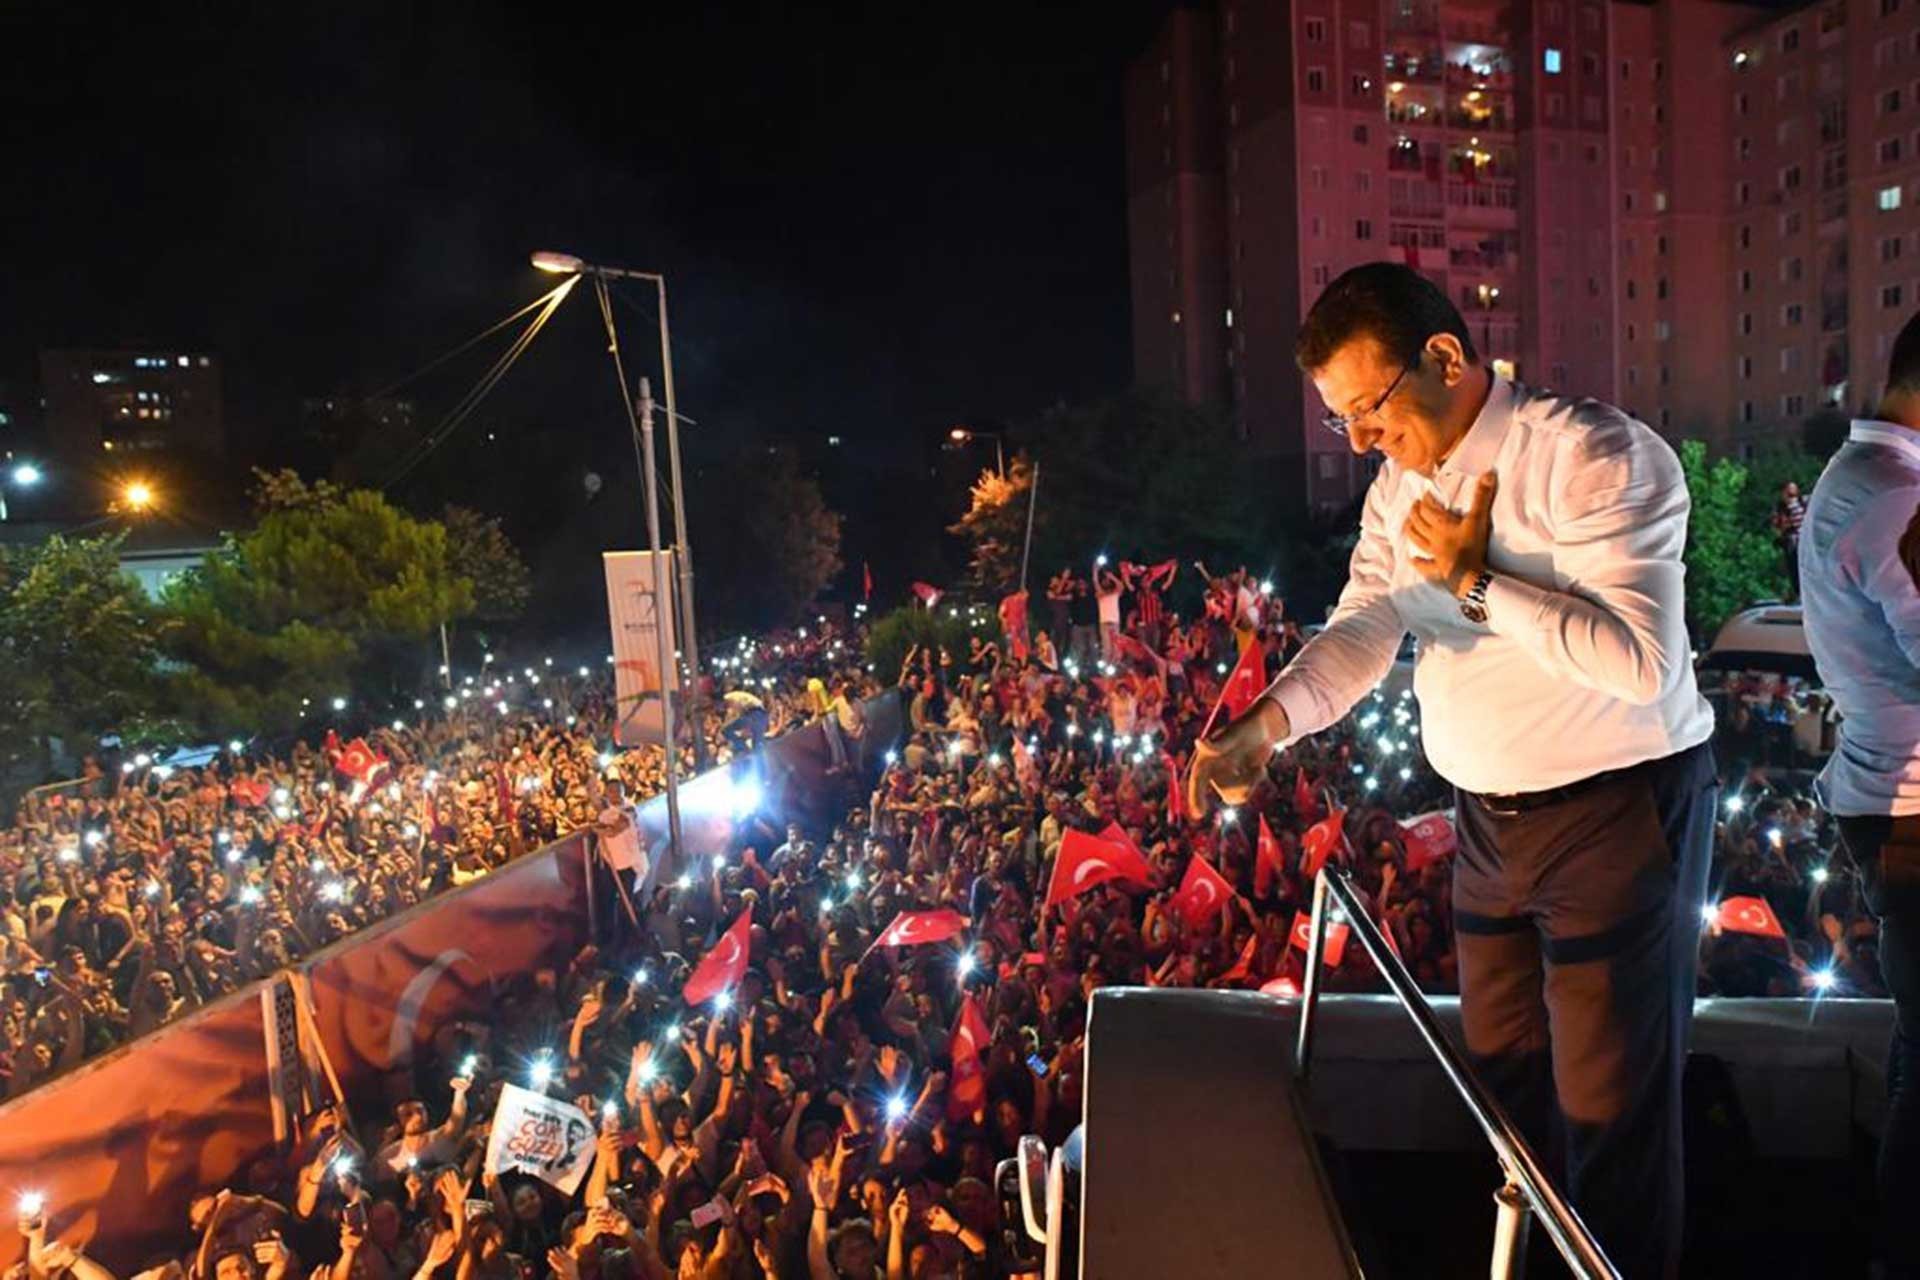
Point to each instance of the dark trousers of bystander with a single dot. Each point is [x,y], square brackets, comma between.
[1887,853]
[1577,922]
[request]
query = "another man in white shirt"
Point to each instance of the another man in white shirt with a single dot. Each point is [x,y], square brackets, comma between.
[1857,585]
[1532,543]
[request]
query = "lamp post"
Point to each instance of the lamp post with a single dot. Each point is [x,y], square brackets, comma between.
[24,476]
[961,435]
[568,264]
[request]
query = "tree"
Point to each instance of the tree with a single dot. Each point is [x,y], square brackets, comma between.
[480,551]
[1139,474]
[948,627]
[1732,558]
[996,527]
[331,593]
[78,647]
[765,542]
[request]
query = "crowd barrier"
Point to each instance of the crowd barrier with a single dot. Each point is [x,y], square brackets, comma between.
[121,1145]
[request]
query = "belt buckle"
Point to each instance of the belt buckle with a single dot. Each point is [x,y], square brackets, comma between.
[1501,806]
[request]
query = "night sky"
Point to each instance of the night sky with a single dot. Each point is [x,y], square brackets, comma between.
[874,223]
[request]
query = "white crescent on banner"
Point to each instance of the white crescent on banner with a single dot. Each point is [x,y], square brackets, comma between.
[729,949]
[406,1011]
[1204,893]
[1088,867]
[908,929]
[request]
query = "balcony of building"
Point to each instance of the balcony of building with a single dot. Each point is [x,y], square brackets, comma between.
[1416,198]
[1414,17]
[1483,111]
[1496,199]
[1478,67]
[1475,162]
[1407,155]
[1419,62]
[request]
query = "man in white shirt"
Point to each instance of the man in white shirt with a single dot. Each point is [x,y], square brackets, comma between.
[1862,609]
[1532,543]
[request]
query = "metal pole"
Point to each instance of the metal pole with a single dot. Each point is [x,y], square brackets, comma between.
[662,596]
[640,423]
[1509,1232]
[1310,988]
[1033,496]
[689,638]
[446,662]
[999,456]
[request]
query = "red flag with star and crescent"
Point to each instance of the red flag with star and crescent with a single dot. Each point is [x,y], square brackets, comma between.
[1085,861]
[1749,915]
[1336,945]
[249,792]
[1176,794]
[1267,865]
[1242,689]
[967,1089]
[1430,837]
[1321,839]
[1202,892]
[919,928]
[1304,803]
[722,968]
[361,762]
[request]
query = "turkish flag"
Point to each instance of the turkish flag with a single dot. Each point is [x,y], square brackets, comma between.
[358,761]
[967,1083]
[1320,840]
[1429,838]
[1267,866]
[1085,861]
[928,595]
[249,793]
[1336,945]
[1304,802]
[1202,892]
[1176,794]
[504,793]
[1013,624]
[918,928]
[1114,833]
[1749,915]
[722,968]
[1243,967]
[1243,687]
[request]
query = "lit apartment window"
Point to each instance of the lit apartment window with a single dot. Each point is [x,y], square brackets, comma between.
[1550,61]
[1662,330]
[1889,199]
[1659,202]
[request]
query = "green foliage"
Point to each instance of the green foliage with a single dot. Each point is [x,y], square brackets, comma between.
[1140,474]
[480,551]
[947,627]
[78,646]
[321,598]
[1732,558]
[765,543]
[996,527]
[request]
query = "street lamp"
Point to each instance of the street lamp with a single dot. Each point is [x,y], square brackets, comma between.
[138,495]
[961,435]
[25,476]
[569,264]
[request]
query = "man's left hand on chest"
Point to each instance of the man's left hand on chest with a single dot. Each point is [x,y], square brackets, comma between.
[1451,549]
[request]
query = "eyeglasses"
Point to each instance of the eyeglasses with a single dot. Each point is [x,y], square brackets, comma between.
[1341,423]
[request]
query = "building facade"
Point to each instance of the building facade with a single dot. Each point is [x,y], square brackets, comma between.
[1702,210]
[101,403]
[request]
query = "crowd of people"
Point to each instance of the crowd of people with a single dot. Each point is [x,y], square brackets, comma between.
[838,1106]
[155,884]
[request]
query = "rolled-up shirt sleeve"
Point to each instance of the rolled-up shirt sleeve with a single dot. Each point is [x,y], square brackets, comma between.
[1356,648]
[1620,524]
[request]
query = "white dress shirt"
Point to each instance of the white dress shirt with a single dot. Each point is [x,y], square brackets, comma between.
[1583,664]
[1862,616]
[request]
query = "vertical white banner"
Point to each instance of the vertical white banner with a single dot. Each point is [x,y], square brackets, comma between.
[637,611]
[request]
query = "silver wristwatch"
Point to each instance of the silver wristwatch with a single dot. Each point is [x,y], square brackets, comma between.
[1473,605]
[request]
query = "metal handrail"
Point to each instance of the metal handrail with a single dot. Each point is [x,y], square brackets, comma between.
[1525,1177]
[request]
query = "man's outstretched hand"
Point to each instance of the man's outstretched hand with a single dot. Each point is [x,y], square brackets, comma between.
[1231,761]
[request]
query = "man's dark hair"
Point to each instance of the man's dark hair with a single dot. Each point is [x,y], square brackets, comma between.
[1387,301]
[1903,366]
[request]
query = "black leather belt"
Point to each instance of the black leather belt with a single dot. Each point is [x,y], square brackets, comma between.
[1528,801]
